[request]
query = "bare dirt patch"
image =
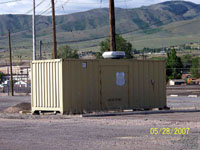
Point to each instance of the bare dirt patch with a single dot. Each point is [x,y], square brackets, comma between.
[17,108]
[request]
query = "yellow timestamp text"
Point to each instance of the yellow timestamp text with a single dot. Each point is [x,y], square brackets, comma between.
[169,131]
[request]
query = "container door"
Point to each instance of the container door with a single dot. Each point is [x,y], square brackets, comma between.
[114,87]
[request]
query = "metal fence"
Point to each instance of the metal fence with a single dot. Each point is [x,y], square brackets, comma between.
[21,84]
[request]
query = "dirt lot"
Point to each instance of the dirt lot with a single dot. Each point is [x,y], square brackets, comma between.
[28,132]
[8,101]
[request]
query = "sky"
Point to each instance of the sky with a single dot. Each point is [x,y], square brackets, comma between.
[69,6]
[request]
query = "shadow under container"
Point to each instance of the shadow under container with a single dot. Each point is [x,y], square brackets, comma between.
[79,86]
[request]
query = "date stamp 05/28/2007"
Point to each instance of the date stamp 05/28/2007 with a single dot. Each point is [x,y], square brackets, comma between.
[169,131]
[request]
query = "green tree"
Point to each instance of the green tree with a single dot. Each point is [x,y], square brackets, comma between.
[67,52]
[194,70]
[173,65]
[121,45]
[187,61]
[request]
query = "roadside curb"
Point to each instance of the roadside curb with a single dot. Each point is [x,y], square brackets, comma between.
[138,113]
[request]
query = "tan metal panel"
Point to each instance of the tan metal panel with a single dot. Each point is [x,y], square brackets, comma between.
[156,91]
[56,84]
[114,96]
[46,87]
[141,84]
[162,84]
[151,85]
[38,86]
[80,86]
[146,85]
[33,86]
[61,94]
[43,84]
[134,82]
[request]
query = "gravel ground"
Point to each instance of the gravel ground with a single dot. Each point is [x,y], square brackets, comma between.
[183,90]
[120,132]
[20,131]
[182,102]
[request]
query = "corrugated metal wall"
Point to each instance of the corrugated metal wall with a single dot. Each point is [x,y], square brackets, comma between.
[81,85]
[47,85]
[75,86]
[147,84]
[113,96]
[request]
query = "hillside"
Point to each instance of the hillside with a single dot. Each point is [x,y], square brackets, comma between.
[138,25]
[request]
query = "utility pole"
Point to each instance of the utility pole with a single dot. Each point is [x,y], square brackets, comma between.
[163,46]
[11,75]
[27,80]
[143,54]
[40,50]
[34,32]
[112,25]
[54,30]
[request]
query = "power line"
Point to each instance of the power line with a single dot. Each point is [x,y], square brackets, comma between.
[30,24]
[35,7]
[86,3]
[75,41]
[10,1]
[101,1]
[44,11]
[156,23]
[62,5]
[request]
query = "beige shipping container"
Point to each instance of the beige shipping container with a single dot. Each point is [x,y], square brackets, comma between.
[78,86]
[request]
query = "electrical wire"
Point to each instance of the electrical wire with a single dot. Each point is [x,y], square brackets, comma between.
[29,25]
[140,29]
[10,1]
[35,7]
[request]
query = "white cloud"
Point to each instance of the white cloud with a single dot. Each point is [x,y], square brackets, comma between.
[71,6]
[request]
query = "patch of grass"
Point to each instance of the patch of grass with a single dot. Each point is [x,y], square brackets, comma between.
[152,31]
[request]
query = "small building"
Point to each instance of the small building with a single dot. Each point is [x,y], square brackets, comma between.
[196,82]
[7,82]
[15,69]
[177,82]
[77,86]
[186,76]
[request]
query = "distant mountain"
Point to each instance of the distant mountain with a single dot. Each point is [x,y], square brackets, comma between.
[93,24]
